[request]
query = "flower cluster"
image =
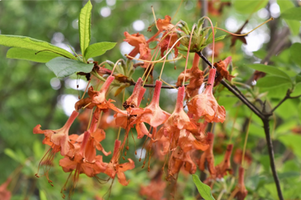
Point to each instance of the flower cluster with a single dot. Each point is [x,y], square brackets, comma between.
[181,136]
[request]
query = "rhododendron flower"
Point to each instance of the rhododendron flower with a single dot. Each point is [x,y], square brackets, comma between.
[208,156]
[205,105]
[58,139]
[155,189]
[178,159]
[237,158]
[141,46]
[225,165]
[126,118]
[114,168]
[164,24]
[177,121]
[240,191]
[221,68]
[97,98]
[194,76]
[153,114]
[5,194]
[169,40]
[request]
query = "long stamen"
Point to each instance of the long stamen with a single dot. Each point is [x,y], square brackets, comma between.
[244,34]
[213,37]
[154,17]
[187,56]
[246,139]
[115,66]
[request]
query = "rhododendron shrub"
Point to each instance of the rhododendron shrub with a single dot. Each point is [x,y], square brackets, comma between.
[137,116]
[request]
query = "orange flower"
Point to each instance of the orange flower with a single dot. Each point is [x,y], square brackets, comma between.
[152,114]
[208,156]
[225,165]
[169,40]
[164,24]
[221,68]
[240,191]
[177,121]
[178,159]
[114,168]
[194,76]
[58,139]
[205,105]
[141,46]
[155,189]
[97,98]
[5,194]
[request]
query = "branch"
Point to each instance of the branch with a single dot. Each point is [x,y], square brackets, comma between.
[287,96]
[266,127]
[265,120]
[236,92]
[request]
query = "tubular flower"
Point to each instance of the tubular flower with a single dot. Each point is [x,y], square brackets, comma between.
[177,121]
[155,190]
[240,191]
[221,68]
[208,156]
[205,105]
[225,165]
[169,40]
[58,139]
[195,76]
[126,118]
[179,158]
[141,46]
[97,98]
[153,114]
[164,24]
[5,194]
[77,165]
[114,168]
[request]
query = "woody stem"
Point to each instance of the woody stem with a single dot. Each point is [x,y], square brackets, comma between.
[265,119]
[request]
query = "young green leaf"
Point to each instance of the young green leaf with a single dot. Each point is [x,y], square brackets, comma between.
[273,81]
[84,24]
[63,67]
[31,55]
[272,70]
[293,25]
[249,6]
[98,49]
[295,50]
[203,189]
[292,14]
[33,44]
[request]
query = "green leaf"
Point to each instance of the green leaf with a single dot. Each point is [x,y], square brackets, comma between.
[203,189]
[84,24]
[295,50]
[98,49]
[63,67]
[297,89]
[42,195]
[33,44]
[292,14]
[272,81]
[32,55]
[249,6]
[293,141]
[272,70]
[292,24]
[10,153]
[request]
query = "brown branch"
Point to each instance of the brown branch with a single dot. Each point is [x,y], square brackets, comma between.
[265,119]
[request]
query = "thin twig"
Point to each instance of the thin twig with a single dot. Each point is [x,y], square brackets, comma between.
[265,119]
